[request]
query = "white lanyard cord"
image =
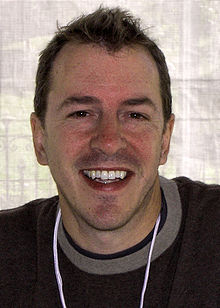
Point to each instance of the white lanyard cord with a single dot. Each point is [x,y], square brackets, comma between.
[149,261]
[56,262]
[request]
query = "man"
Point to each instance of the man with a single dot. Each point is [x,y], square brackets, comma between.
[117,235]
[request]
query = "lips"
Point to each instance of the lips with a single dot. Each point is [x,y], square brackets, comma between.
[106,180]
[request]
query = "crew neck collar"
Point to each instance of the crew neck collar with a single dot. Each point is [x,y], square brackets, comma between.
[129,260]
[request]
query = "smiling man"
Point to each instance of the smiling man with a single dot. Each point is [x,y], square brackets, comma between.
[117,234]
[104,138]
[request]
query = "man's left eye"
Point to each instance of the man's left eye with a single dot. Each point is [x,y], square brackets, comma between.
[138,116]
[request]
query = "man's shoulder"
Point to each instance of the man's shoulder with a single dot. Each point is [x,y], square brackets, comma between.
[22,231]
[197,189]
[183,180]
[25,217]
[192,190]
[200,201]
[35,206]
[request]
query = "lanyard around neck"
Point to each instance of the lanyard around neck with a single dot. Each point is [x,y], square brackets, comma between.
[57,270]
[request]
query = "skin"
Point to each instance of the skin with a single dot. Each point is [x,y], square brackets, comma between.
[112,131]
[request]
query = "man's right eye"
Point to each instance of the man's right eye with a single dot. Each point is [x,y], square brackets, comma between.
[79,114]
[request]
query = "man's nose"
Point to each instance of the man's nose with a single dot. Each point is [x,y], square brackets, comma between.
[108,136]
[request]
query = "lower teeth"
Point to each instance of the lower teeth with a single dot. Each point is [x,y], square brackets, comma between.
[106,181]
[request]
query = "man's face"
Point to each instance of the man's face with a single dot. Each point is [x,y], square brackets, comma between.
[103,138]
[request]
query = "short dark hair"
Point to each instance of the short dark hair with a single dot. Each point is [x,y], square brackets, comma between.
[111,29]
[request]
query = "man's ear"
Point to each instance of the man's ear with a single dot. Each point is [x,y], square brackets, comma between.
[38,134]
[166,139]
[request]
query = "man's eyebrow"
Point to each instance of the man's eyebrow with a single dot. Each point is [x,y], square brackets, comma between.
[140,101]
[81,100]
[85,100]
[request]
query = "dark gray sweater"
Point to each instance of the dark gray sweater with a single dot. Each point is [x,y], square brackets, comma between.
[184,270]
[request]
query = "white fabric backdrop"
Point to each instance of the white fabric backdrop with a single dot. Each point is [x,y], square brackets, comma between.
[188,31]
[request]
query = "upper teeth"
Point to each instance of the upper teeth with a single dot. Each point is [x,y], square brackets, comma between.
[105,175]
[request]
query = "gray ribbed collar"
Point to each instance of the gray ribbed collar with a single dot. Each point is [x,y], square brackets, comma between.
[137,259]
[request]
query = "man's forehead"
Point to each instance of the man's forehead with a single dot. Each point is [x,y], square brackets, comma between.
[89,53]
[91,70]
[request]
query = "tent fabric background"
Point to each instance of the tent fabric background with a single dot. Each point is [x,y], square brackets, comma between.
[188,31]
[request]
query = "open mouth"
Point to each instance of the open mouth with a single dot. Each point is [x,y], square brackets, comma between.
[106,179]
[104,176]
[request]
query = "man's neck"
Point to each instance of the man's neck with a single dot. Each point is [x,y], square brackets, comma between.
[109,242]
